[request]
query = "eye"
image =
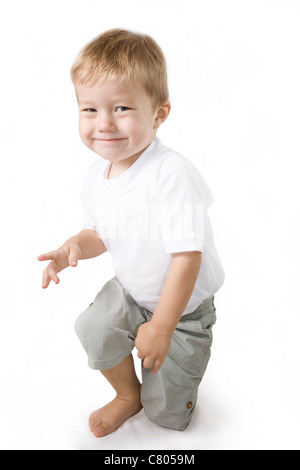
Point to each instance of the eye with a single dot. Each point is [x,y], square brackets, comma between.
[90,110]
[122,108]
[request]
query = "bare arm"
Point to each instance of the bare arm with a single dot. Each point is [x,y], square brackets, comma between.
[178,289]
[89,242]
[86,244]
[154,338]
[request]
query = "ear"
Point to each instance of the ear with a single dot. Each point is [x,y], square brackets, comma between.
[162,113]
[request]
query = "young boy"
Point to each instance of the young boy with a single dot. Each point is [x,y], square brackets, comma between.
[147,205]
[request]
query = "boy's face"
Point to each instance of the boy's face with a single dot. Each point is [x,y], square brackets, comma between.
[117,120]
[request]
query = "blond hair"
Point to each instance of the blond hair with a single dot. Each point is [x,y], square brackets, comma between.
[127,56]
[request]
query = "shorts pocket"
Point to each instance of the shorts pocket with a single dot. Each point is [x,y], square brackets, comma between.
[190,349]
[169,397]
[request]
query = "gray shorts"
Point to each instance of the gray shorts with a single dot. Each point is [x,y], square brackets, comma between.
[107,331]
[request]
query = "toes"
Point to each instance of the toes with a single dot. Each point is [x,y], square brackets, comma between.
[99,432]
[96,425]
[94,421]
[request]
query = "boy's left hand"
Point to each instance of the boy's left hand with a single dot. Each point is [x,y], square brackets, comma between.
[153,345]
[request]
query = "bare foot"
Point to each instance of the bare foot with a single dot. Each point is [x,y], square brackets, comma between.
[111,416]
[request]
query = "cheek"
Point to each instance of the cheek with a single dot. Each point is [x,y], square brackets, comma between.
[139,130]
[84,129]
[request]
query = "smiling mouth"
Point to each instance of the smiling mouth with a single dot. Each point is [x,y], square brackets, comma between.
[110,140]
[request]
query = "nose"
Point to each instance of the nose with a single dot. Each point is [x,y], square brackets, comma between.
[105,122]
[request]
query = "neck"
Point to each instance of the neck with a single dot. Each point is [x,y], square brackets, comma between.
[117,168]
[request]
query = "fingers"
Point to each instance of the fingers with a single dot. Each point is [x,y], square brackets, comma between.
[52,255]
[150,363]
[140,355]
[61,257]
[156,367]
[74,255]
[45,280]
[59,260]
[49,275]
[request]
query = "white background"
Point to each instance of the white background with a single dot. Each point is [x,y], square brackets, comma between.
[234,79]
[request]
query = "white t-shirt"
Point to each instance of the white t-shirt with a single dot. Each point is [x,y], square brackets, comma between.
[157,207]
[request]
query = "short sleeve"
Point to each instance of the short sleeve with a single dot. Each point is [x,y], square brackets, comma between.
[183,199]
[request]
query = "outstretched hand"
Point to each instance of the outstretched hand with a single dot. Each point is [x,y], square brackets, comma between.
[59,260]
